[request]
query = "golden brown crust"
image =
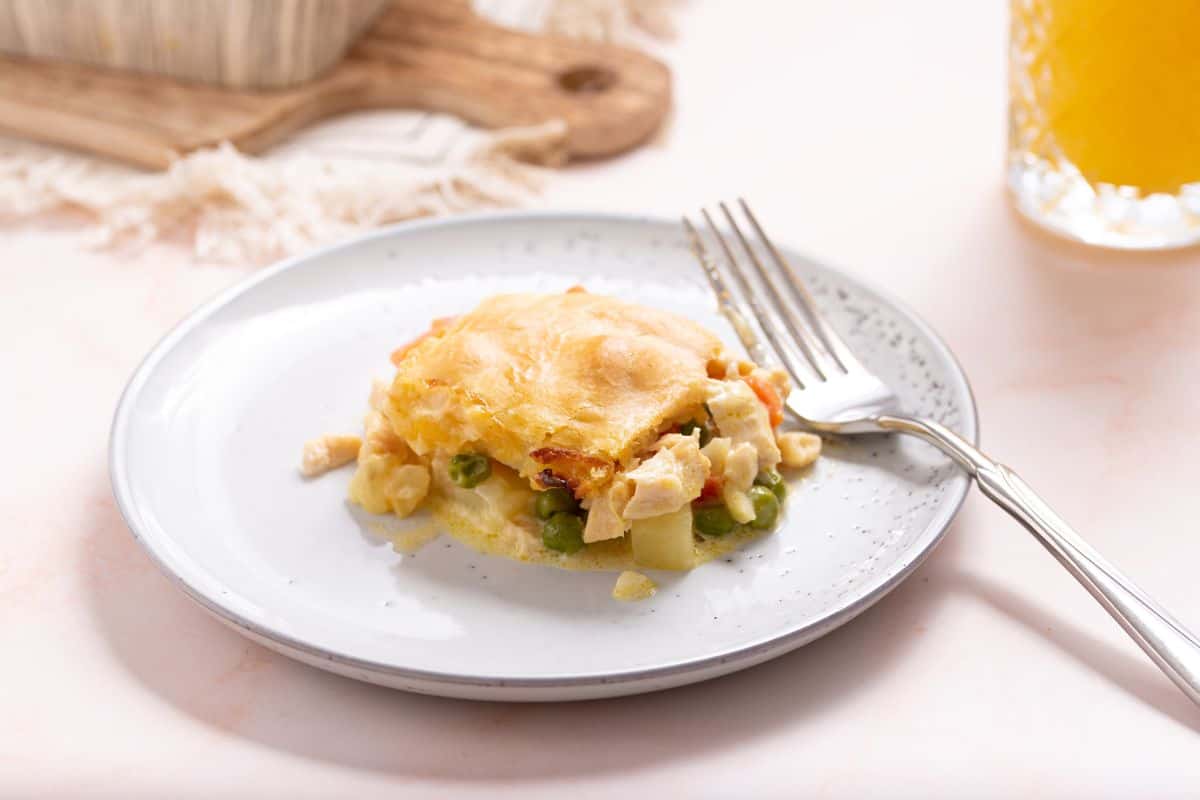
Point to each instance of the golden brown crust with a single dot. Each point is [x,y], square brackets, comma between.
[571,469]
[576,383]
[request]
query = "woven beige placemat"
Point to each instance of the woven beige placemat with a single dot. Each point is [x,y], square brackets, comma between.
[338,177]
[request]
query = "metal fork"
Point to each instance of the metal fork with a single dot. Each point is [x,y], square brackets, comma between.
[837,394]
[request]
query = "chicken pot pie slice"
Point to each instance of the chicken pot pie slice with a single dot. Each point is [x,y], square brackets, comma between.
[582,431]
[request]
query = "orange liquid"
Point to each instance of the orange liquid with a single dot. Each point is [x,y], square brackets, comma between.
[1119,87]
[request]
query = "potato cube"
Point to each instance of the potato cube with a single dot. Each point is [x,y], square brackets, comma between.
[665,542]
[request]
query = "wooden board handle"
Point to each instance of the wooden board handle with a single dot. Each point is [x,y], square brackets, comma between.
[444,58]
[430,54]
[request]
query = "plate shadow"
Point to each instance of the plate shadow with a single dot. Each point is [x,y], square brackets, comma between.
[217,678]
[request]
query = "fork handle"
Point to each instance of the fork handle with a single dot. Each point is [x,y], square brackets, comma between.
[1165,640]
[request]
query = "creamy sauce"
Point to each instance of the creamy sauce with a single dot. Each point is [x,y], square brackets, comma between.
[519,541]
[407,539]
[410,541]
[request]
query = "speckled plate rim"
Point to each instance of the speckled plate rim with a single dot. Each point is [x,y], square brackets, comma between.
[551,687]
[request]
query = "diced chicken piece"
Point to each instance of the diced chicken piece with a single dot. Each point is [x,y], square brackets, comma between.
[669,479]
[799,449]
[741,466]
[383,483]
[632,586]
[716,451]
[378,437]
[406,487]
[328,452]
[379,394]
[741,417]
[605,518]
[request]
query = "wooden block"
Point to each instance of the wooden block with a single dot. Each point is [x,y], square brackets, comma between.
[260,44]
[422,54]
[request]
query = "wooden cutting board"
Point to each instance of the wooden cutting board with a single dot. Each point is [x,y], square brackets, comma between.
[427,54]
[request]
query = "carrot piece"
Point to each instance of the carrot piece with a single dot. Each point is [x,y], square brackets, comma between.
[713,487]
[769,397]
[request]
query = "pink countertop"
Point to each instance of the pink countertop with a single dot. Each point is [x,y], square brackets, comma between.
[869,136]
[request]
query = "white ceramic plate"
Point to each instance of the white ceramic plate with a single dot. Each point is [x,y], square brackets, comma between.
[207,437]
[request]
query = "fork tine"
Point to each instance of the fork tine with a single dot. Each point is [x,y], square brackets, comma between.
[727,302]
[803,371]
[829,336]
[739,314]
[818,355]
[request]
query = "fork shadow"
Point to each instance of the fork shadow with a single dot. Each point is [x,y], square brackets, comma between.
[218,679]
[1125,668]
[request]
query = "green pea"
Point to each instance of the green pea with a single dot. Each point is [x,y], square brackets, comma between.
[563,532]
[551,501]
[773,481]
[468,470]
[713,520]
[688,428]
[766,507]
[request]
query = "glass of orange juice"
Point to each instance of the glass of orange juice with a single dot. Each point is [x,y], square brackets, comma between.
[1104,119]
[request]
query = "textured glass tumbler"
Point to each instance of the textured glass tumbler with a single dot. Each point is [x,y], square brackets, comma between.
[1104,119]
